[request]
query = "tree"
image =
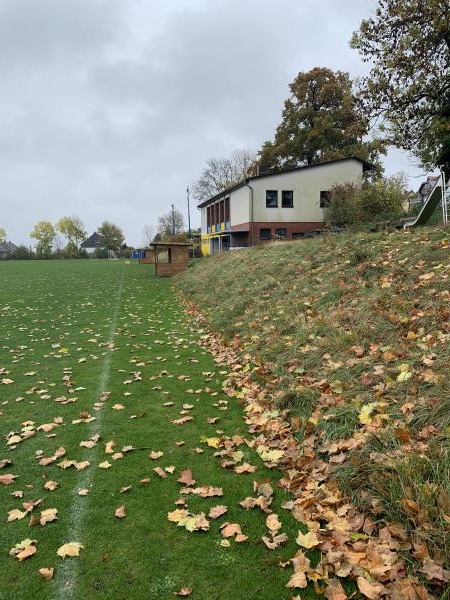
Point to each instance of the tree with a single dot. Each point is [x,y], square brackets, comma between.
[148,233]
[170,224]
[2,235]
[44,233]
[320,122]
[221,173]
[408,45]
[22,253]
[111,236]
[73,229]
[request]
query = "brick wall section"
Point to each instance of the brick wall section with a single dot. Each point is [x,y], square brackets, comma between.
[291,228]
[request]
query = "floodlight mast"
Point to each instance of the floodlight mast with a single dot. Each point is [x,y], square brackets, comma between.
[189,213]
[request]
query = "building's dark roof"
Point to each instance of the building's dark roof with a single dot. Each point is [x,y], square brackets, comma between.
[366,167]
[7,247]
[167,244]
[94,241]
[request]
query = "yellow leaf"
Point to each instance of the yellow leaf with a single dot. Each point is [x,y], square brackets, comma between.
[366,411]
[308,540]
[69,549]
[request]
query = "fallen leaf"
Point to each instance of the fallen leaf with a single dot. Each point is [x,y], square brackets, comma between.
[308,540]
[370,590]
[70,549]
[186,477]
[50,485]
[47,572]
[217,511]
[7,479]
[121,512]
[183,592]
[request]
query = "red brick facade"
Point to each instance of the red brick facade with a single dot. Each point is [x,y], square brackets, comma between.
[291,228]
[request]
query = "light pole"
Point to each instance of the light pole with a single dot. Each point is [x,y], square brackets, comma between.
[173,219]
[189,213]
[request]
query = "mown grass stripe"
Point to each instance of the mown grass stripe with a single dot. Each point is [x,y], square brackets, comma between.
[66,574]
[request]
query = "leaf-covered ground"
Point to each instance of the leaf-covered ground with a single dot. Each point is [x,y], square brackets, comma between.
[350,337]
[124,463]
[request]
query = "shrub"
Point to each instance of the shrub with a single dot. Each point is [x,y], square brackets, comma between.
[358,207]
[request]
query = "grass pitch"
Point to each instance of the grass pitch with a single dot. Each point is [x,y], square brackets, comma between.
[101,353]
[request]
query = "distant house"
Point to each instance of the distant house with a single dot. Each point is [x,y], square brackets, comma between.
[286,204]
[92,243]
[7,249]
[425,188]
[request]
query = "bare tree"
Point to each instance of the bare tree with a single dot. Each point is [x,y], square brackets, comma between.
[221,173]
[148,234]
[171,224]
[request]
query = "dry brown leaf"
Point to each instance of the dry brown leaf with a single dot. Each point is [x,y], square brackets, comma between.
[154,455]
[50,485]
[230,529]
[47,572]
[69,549]
[370,590]
[183,592]
[160,472]
[109,447]
[7,479]
[48,515]
[217,511]
[121,512]
[186,477]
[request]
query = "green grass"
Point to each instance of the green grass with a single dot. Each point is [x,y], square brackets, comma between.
[63,315]
[341,315]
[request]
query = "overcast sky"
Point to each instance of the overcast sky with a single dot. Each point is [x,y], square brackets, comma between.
[110,108]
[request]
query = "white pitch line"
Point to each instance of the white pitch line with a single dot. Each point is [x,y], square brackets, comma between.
[67,570]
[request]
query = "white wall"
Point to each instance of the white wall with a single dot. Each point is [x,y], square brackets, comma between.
[306,185]
[240,206]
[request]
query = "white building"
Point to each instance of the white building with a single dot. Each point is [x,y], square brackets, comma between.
[283,205]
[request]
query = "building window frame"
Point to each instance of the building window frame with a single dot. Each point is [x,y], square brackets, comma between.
[287,199]
[325,196]
[281,233]
[271,198]
[265,234]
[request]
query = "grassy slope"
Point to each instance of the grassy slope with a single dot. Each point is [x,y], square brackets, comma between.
[52,315]
[346,322]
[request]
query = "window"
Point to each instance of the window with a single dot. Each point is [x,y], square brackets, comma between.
[280,233]
[164,255]
[271,198]
[298,235]
[264,234]
[324,199]
[287,199]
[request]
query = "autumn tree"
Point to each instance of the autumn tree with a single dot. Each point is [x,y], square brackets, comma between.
[408,46]
[111,236]
[45,233]
[320,122]
[2,235]
[73,230]
[221,173]
[171,224]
